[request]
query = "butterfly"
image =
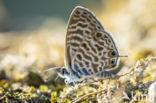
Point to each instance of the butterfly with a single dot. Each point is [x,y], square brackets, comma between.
[90,50]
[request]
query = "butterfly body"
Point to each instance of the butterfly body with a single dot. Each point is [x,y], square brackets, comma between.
[90,51]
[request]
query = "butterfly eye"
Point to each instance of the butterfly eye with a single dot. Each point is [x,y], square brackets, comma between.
[112,61]
[113,53]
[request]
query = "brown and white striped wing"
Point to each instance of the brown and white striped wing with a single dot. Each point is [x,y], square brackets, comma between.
[96,54]
[82,24]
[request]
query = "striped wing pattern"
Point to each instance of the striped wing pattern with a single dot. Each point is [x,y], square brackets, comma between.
[88,45]
[94,54]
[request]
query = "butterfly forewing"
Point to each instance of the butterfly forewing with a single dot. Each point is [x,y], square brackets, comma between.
[89,47]
[81,24]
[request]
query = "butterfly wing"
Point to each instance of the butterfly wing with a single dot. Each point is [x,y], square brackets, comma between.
[96,54]
[82,24]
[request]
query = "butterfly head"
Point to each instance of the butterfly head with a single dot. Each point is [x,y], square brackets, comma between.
[62,72]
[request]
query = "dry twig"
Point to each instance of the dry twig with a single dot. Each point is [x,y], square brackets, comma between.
[93,93]
[146,65]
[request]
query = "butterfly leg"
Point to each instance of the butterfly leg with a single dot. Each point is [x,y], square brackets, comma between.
[74,83]
[66,82]
[69,82]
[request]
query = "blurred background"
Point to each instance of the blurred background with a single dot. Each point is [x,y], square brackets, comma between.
[32,33]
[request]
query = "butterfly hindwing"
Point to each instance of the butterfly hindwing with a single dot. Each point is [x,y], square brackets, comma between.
[95,54]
